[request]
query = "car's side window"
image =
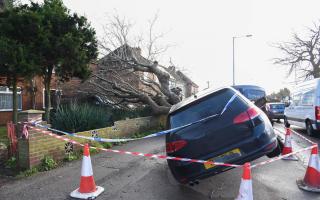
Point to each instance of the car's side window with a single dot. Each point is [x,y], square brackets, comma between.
[307,98]
[296,99]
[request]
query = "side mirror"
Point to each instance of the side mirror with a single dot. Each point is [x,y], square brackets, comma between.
[287,104]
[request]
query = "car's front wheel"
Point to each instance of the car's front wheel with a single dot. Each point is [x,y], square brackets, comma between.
[310,130]
[286,123]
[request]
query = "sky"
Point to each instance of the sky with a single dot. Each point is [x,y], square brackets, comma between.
[201,34]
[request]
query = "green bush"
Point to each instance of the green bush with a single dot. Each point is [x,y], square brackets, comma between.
[11,163]
[76,117]
[29,172]
[47,163]
[145,133]
[3,135]
[72,156]
[106,145]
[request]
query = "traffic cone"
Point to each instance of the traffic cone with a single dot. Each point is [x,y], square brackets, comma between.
[288,146]
[245,191]
[88,188]
[311,181]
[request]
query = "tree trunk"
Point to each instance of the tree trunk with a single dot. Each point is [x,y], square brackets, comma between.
[33,93]
[47,101]
[14,101]
[316,72]
[156,109]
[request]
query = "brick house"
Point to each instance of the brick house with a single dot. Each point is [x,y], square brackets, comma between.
[31,94]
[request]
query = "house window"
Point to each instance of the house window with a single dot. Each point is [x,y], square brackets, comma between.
[6,99]
[53,97]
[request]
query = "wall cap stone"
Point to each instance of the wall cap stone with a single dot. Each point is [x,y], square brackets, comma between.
[32,112]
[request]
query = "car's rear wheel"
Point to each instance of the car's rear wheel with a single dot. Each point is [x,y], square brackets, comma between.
[276,151]
[286,123]
[310,130]
[171,178]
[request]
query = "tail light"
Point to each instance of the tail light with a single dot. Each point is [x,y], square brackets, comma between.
[175,146]
[246,116]
[317,109]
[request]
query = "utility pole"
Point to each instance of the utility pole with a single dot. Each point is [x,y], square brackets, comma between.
[233,57]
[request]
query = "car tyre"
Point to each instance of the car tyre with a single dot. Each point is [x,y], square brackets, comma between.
[171,179]
[286,123]
[276,152]
[310,130]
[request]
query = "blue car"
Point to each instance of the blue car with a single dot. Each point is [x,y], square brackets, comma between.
[275,110]
[234,131]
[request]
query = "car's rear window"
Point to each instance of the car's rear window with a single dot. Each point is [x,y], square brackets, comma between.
[277,106]
[210,105]
[253,94]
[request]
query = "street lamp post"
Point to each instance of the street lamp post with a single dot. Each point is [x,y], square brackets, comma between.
[233,63]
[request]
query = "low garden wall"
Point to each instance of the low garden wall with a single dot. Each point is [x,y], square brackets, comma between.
[128,127]
[38,145]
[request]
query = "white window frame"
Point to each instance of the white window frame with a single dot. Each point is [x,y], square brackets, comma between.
[10,92]
[43,97]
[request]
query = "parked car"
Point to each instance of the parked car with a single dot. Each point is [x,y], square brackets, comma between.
[275,110]
[254,93]
[239,132]
[304,109]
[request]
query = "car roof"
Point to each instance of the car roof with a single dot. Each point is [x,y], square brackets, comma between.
[248,87]
[270,103]
[197,97]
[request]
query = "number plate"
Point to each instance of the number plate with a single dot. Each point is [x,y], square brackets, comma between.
[235,153]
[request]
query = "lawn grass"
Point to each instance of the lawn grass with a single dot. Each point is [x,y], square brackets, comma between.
[3,135]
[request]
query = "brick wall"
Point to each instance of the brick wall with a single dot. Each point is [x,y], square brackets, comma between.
[126,128]
[38,145]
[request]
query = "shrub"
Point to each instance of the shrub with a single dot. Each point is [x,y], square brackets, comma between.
[47,163]
[11,163]
[72,156]
[76,117]
[145,133]
[29,172]
[107,145]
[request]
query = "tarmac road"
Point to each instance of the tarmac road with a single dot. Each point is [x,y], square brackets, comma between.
[136,178]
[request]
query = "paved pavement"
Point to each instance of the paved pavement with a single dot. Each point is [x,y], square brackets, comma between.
[135,178]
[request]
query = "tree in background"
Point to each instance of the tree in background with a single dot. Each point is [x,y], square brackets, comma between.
[282,95]
[125,66]
[18,29]
[66,44]
[302,55]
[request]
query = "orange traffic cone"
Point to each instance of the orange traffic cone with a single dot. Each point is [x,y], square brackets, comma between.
[311,181]
[88,188]
[288,146]
[245,191]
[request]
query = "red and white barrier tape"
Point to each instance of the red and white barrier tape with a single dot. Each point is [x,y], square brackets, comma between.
[280,157]
[299,135]
[138,153]
[178,158]
[290,154]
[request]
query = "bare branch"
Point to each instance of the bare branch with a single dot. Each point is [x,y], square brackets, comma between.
[302,55]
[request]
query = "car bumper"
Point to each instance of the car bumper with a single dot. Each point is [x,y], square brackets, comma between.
[185,172]
[276,115]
